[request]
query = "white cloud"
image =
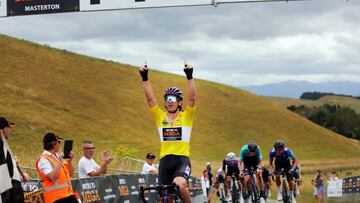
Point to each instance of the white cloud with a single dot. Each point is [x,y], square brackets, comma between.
[236,44]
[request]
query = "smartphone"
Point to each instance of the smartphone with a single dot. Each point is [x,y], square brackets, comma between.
[68,144]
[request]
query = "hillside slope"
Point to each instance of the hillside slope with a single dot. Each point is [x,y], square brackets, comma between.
[44,89]
[333,100]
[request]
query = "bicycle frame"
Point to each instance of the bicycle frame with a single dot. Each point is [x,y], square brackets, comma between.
[255,194]
[167,193]
[234,189]
[286,193]
[222,192]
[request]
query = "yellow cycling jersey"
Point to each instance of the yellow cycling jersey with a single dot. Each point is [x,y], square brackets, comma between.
[175,137]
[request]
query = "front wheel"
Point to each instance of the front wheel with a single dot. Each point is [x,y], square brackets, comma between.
[255,197]
[285,193]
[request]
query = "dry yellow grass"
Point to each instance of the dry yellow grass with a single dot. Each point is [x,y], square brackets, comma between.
[44,89]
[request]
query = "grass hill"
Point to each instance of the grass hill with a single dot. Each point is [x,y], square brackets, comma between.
[340,100]
[45,89]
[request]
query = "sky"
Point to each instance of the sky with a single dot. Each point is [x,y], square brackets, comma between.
[235,44]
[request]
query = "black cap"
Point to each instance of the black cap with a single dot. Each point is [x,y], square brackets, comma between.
[5,123]
[50,137]
[150,155]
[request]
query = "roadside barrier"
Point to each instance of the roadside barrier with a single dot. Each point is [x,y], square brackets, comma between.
[344,190]
[122,188]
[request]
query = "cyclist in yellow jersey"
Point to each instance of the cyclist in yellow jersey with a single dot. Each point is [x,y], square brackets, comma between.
[174,126]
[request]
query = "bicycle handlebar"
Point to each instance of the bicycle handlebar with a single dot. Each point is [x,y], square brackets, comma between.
[158,188]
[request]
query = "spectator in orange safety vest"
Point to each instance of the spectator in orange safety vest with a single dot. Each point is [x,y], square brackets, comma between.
[55,172]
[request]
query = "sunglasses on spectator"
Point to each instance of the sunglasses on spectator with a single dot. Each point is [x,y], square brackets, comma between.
[90,148]
[170,98]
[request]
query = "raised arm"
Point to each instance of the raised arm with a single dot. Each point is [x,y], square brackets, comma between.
[147,86]
[191,85]
[106,159]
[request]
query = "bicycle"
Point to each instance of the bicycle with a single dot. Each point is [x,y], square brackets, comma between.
[235,197]
[167,193]
[254,190]
[221,193]
[286,193]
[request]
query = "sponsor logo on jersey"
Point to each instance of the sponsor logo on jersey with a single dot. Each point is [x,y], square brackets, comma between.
[172,134]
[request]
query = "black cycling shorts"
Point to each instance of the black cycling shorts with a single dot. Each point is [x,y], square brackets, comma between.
[286,166]
[220,179]
[233,170]
[172,166]
[266,175]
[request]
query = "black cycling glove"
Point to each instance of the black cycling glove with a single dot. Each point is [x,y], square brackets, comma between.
[144,73]
[188,72]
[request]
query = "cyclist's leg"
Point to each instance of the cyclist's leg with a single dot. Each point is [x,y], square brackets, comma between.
[182,175]
[266,180]
[166,171]
[289,176]
[278,168]
[261,184]
[182,183]
[247,178]
[227,184]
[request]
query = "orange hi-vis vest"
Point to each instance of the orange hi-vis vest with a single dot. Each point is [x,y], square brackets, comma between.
[61,187]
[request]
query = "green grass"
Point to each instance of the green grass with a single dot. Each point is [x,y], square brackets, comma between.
[333,100]
[45,89]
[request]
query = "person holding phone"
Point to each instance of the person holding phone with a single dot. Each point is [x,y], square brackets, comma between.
[87,167]
[55,172]
[319,190]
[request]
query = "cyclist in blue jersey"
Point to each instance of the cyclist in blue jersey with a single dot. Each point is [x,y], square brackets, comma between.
[251,159]
[283,157]
[231,166]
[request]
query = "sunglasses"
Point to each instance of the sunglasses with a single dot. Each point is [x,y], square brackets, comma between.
[170,98]
[90,148]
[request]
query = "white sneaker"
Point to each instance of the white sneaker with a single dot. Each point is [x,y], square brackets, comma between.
[241,198]
[269,193]
[262,200]
[279,197]
[229,198]
[298,191]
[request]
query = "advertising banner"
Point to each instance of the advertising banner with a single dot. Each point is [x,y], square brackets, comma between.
[334,188]
[122,188]
[93,5]
[28,7]
[3,8]
[351,185]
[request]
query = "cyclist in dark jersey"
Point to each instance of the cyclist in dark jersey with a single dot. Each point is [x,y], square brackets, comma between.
[283,157]
[231,167]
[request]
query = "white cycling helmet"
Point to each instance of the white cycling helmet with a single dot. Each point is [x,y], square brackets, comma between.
[230,156]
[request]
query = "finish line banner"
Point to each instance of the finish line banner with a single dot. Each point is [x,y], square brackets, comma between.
[28,7]
[97,5]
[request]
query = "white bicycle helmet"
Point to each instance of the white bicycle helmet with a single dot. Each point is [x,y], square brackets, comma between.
[230,156]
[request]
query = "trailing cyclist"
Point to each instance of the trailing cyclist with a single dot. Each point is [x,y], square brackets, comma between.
[266,176]
[174,127]
[283,157]
[251,159]
[297,177]
[230,167]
